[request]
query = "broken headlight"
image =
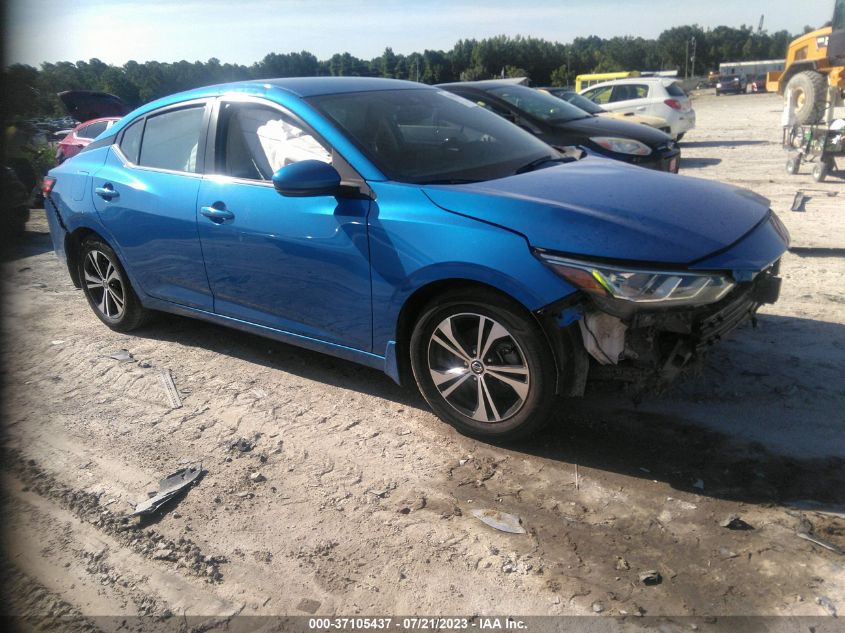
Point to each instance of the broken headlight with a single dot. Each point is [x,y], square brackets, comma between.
[641,286]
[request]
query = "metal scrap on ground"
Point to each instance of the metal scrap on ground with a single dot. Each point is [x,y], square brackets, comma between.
[170,389]
[168,488]
[500,520]
[805,531]
[122,355]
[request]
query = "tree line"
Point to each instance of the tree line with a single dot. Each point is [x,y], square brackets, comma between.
[32,91]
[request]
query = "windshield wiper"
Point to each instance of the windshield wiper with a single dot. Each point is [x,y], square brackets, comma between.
[534,164]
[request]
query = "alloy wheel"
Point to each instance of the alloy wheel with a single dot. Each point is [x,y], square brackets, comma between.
[104,284]
[478,367]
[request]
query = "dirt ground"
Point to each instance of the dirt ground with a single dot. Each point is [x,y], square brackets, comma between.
[364,500]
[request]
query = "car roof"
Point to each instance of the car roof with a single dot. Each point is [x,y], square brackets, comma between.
[296,86]
[102,118]
[666,81]
[481,85]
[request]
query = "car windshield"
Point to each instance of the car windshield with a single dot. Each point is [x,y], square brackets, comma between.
[431,136]
[580,102]
[538,104]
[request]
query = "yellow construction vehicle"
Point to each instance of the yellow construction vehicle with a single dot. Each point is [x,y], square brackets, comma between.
[814,74]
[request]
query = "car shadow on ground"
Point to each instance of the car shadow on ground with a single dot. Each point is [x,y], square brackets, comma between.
[29,244]
[725,143]
[695,163]
[606,431]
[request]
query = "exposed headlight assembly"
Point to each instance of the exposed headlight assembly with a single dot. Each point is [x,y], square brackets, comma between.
[654,287]
[622,145]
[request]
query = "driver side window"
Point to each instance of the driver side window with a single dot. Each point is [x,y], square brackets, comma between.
[254,141]
[599,95]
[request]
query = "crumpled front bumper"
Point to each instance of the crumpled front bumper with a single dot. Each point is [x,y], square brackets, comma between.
[657,344]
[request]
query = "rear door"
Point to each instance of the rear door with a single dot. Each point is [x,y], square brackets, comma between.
[629,98]
[300,265]
[146,194]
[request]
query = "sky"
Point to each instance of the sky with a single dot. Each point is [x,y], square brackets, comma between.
[243,32]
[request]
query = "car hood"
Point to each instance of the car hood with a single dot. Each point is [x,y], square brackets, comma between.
[606,209]
[84,105]
[604,126]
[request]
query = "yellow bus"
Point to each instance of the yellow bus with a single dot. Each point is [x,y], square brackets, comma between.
[585,81]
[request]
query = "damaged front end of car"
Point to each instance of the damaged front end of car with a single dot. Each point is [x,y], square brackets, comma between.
[643,326]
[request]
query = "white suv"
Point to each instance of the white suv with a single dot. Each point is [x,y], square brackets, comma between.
[653,96]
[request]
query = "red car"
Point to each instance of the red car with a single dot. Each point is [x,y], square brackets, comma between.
[97,110]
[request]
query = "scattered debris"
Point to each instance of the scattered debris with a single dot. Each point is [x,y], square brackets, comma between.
[56,342]
[500,521]
[380,494]
[168,488]
[699,483]
[825,602]
[242,445]
[805,531]
[170,389]
[622,564]
[733,522]
[598,607]
[308,605]
[145,364]
[724,552]
[263,556]
[259,393]
[651,577]
[257,478]
[122,356]
[799,201]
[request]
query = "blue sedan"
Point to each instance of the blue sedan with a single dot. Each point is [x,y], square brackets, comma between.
[407,229]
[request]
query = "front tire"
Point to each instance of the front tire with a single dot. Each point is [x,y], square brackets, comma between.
[107,288]
[484,365]
[808,88]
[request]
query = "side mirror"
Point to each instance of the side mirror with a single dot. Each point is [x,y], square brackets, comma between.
[307,178]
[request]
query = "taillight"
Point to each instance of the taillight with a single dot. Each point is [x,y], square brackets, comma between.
[673,103]
[47,185]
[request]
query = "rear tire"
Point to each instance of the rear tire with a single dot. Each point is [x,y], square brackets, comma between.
[792,165]
[107,288]
[808,90]
[499,385]
[821,170]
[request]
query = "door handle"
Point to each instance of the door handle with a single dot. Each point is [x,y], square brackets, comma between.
[106,192]
[217,215]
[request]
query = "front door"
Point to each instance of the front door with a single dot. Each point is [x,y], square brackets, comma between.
[295,264]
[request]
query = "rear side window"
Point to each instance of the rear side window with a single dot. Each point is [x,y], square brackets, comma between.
[93,130]
[675,90]
[171,140]
[130,144]
[626,92]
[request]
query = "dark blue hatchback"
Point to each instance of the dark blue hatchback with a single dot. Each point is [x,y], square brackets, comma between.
[404,228]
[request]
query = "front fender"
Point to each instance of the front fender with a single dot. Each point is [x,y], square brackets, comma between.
[414,243]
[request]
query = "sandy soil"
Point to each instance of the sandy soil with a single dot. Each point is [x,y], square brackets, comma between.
[367,498]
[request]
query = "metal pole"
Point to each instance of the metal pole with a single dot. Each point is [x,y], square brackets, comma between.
[692,59]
